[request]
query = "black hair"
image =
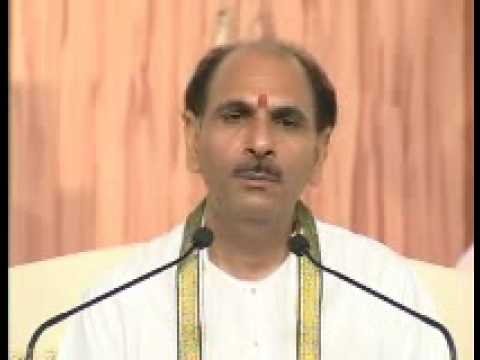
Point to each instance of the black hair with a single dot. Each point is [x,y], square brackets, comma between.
[196,94]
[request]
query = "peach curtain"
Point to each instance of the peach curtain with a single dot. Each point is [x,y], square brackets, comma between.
[96,146]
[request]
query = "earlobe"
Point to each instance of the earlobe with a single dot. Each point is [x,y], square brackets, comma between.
[322,143]
[191,132]
[321,151]
[317,169]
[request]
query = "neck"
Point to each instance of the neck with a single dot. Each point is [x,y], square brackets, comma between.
[248,249]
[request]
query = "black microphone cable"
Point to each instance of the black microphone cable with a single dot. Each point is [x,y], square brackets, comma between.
[299,245]
[202,238]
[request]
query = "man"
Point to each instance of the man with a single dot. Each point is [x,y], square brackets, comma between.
[258,120]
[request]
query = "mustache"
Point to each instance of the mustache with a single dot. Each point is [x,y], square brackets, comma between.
[258,169]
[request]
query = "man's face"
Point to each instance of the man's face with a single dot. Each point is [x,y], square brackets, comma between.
[256,145]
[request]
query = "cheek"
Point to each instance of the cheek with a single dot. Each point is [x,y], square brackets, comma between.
[214,155]
[301,165]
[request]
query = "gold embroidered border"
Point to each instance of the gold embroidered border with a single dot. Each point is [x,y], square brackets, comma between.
[309,334]
[189,346]
[310,286]
[189,341]
[189,332]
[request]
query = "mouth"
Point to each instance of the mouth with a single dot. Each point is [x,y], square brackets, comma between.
[257,176]
[257,179]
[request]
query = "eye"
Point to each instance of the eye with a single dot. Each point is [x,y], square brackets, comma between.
[231,116]
[234,112]
[288,121]
[288,117]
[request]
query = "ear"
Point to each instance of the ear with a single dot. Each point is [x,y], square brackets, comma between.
[323,140]
[192,132]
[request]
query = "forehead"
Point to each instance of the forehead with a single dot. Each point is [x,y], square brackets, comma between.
[249,73]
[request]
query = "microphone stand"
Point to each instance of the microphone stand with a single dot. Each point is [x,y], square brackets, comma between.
[62,316]
[299,245]
[202,238]
[425,319]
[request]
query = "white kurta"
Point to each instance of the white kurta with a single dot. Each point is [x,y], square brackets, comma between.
[257,319]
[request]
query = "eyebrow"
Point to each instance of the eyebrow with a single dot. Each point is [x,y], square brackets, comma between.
[238,105]
[287,110]
[274,111]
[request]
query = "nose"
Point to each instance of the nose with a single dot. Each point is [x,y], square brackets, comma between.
[260,138]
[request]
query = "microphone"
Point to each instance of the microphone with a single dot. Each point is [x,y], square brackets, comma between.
[202,238]
[300,246]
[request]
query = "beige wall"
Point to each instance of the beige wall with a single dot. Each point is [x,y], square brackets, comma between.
[96,143]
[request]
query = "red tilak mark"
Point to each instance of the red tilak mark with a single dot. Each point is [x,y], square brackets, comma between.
[262,100]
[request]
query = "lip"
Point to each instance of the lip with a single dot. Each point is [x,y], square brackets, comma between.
[257,179]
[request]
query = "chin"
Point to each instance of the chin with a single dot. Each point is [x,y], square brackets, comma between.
[257,207]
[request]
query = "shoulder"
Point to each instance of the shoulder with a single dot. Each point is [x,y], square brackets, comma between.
[144,257]
[342,246]
[101,329]
[374,264]
[367,260]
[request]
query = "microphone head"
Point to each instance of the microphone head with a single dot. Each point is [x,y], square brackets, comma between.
[202,238]
[298,244]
